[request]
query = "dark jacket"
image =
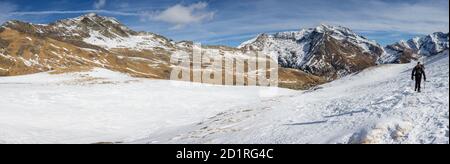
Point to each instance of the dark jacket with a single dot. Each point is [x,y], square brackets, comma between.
[418,72]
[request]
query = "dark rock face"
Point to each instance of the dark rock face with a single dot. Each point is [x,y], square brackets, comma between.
[338,58]
[3,43]
[326,51]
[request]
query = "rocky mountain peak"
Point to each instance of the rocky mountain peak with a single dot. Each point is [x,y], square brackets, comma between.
[413,49]
[322,28]
[325,50]
[75,28]
[108,26]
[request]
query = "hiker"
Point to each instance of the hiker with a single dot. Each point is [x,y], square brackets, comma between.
[417,73]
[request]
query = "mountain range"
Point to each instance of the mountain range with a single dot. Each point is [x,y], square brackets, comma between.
[307,57]
[334,51]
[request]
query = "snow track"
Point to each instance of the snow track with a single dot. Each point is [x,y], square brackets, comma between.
[377,105]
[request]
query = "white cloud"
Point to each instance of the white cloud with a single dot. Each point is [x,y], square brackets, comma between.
[99,4]
[405,17]
[181,15]
[244,18]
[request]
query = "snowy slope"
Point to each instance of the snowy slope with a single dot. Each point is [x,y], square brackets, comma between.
[109,33]
[144,41]
[377,105]
[105,106]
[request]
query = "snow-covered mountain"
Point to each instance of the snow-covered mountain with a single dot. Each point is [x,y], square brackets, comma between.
[105,32]
[307,57]
[405,51]
[330,51]
[92,40]
[83,42]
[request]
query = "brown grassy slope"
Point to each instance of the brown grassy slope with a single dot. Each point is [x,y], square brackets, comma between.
[26,54]
[22,53]
[297,79]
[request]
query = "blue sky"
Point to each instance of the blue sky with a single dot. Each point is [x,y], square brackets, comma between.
[230,22]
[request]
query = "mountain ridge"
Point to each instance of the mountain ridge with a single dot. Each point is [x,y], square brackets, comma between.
[298,49]
[88,41]
[330,51]
[307,57]
[412,49]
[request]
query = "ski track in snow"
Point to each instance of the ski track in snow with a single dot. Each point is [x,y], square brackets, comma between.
[377,105]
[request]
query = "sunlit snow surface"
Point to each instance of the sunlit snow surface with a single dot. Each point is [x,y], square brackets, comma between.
[137,42]
[377,105]
[105,106]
